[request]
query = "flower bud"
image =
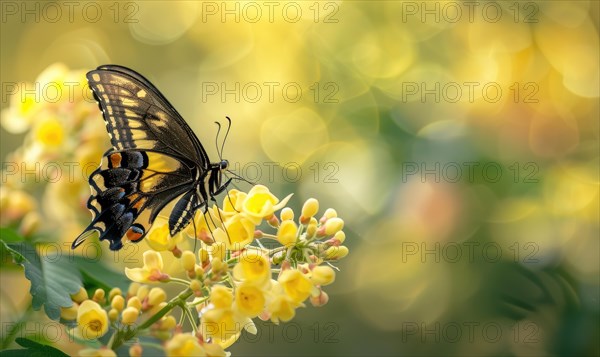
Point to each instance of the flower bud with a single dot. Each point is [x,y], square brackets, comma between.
[176,252]
[98,296]
[198,272]
[80,296]
[113,315]
[340,237]
[311,229]
[309,209]
[188,260]
[286,234]
[168,323]
[142,292]
[134,302]
[218,266]
[135,350]
[322,275]
[156,296]
[258,234]
[331,226]
[320,299]
[129,315]
[133,289]
[114,292]
[329,213]
[218,250]
[69,313]
[203,256]
[195,285]
[287,214]
[335,253]
[117,303]
[273,221]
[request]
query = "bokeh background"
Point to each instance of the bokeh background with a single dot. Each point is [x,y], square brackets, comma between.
[459,141]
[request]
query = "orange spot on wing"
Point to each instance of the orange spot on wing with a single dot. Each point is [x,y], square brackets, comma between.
[134,234]
[115,160]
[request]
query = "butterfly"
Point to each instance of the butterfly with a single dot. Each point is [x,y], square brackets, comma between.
[155,159]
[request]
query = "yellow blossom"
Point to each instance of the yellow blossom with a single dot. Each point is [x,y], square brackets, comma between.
[214,350]
[295,285]
[239,232]
[92,320]
[232,202]
[160,239]
[282,308]
[184,345]
[151,272]
[260,203]
[253,266]
[222,325]
[286,234]
[249,299]
[221,296]
[50,132]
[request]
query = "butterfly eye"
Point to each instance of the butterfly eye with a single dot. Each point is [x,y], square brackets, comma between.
[224,164]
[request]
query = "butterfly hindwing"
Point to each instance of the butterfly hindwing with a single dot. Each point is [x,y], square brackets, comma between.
[129,190]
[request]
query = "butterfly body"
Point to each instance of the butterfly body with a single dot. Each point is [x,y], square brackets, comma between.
[155,159]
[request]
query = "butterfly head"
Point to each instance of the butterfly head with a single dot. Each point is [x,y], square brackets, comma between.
[223,165]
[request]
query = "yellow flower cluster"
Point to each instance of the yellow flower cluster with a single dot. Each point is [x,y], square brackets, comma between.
[233,278]
[63,140]
[94,316]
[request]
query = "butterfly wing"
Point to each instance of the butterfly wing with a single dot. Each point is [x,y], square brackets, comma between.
[129,190]
[138,116]
[155,158]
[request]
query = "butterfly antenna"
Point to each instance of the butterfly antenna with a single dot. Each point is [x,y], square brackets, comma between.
[226,134]
[217,139]
[236,176]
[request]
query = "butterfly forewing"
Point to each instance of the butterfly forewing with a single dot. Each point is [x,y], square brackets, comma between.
[137,116]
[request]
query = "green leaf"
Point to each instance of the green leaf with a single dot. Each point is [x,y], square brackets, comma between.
[97,274]
[33,349]
[9,235]
[53,278]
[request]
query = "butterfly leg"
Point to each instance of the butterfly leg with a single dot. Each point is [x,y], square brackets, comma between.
[221,189]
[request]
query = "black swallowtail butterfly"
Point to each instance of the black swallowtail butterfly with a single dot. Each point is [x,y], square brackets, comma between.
[155,158]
